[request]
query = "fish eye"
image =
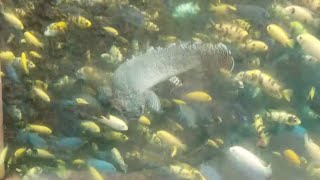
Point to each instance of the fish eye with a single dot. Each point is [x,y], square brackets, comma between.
[268,28]
[253,44]
[299,38]
[293,10]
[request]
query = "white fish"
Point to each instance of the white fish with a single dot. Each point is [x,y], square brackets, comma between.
[310,44]
[312,148]
[249,163]
[114,122]
[116,156]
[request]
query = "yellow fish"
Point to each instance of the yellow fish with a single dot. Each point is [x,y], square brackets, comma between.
[312,93]
[20,152]
[95,174]
[40,153]
[90,126]
[7,55]
[81,21]
[35,54]
[24,63]
[13,20]
[44,96]
[231,31]
[198,96]
[222,9]
[81,101]
[292,157]
[178,101]
[110,30]
[78,162]
[254,46]
[39,129]
[56,28]
[277,33]
[32,39]
[169,139]
[3,156]
[144,120]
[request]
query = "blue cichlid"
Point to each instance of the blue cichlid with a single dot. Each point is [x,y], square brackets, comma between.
[101,165]
[32,139]
[70,143]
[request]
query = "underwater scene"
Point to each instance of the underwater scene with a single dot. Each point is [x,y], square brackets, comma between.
[160,89]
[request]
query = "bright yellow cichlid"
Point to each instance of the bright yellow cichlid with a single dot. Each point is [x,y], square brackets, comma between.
[40,84]
[81,22]
[20,152]
[13,20]
[267,83]
[7,55]
[56,28]
[110,30]
[280,35]
[24,63]
[81,101]
[199,96]
[115,136]
[39,129]
[144,120]
[170,140]
[41,94]
[90,126]
[3,156]
[222,9]
[95,174]
[312,93]
[79,162]
[179,101]
[32,39]
[40,153]
[254,46]
[292,157]
[35,54]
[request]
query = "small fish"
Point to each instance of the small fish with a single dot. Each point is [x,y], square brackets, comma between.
[259,126]
[115,136]
[254,46]
[116,156]
[40,153]
[292,157]
[222,9]
[13,20]
[144,120]
[20,152]
[70,143]
[39,129]
[179,101]
[110,30]
[310,44]
[7,55]
[198,96]
[32,173]
[81,101]
[3,156]
[114,122]
[249,163]
[81,21]
[312,148]
[56,28]
[282,117]
[79,162]
[171,140]
[266,83]
[297,28]
[101,165]
[24,63]
[35,54]
[40,93]
[90,126]
[32,39]
[280,35]
[232,31]
[312,93]
[95,174]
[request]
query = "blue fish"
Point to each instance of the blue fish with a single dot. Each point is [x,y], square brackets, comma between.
[32,139]
[70,143]
[101,165]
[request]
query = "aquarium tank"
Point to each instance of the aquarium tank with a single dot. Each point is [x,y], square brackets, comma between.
[160,89]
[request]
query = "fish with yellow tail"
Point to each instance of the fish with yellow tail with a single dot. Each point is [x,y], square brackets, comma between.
[81,22]
[264,81]
[222,9]
[293,158]
[171,141]
[35,54]
[280,35]
[198,96]
[259,126]
[254,46]
[24,63]
[32,39]
[40,129]
[41,94]
[310,44]
[56,28]
[281,117]
[13,20]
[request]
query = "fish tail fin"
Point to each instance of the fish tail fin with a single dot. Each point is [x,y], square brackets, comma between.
[290,43]
[287,94]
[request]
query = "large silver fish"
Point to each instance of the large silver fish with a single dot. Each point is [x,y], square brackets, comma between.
[133,80]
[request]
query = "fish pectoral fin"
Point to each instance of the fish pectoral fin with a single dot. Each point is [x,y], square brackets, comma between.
[174,151]
[287,94]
